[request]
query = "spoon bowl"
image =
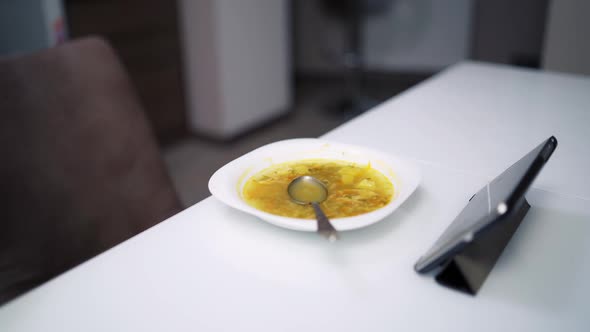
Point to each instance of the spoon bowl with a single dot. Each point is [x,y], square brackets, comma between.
[306,190]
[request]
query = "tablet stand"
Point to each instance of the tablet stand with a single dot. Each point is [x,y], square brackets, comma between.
[468,269]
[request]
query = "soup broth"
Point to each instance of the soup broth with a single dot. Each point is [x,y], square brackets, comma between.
[352,189]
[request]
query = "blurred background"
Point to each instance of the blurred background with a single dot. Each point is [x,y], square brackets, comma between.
[218,78]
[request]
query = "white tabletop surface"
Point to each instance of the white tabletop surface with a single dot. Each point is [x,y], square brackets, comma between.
[211,268]
[481,118]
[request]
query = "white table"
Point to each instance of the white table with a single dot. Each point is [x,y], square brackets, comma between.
[211,268]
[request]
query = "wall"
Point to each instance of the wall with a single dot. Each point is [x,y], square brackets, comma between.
[144,33]
[423,35]
[411,35]
[567,43]
[508,31]
[427,35]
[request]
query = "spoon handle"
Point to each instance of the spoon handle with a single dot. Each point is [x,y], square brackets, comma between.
[325,228]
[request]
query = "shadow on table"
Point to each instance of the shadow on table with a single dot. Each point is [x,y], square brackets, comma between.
[542,267]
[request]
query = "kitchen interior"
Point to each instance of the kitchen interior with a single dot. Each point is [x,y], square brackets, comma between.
[218,78]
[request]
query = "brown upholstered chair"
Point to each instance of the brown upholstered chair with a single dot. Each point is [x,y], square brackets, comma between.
[80,170]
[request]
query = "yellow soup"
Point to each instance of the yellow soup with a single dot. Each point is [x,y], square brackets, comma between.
[352,189]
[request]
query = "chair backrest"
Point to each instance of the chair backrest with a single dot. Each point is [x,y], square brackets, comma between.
[80,170]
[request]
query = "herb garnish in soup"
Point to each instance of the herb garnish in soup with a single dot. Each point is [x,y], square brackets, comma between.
[353,189]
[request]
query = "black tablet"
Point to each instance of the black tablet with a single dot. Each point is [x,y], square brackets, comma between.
[493,203]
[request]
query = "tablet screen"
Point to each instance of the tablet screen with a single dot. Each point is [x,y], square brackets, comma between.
[488,205]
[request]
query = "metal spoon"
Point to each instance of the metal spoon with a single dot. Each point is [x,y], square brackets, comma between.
[309,190]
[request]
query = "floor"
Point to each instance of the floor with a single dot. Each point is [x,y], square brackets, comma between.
[191,161]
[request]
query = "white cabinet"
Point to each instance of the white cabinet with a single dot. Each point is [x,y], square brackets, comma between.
[236,63]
